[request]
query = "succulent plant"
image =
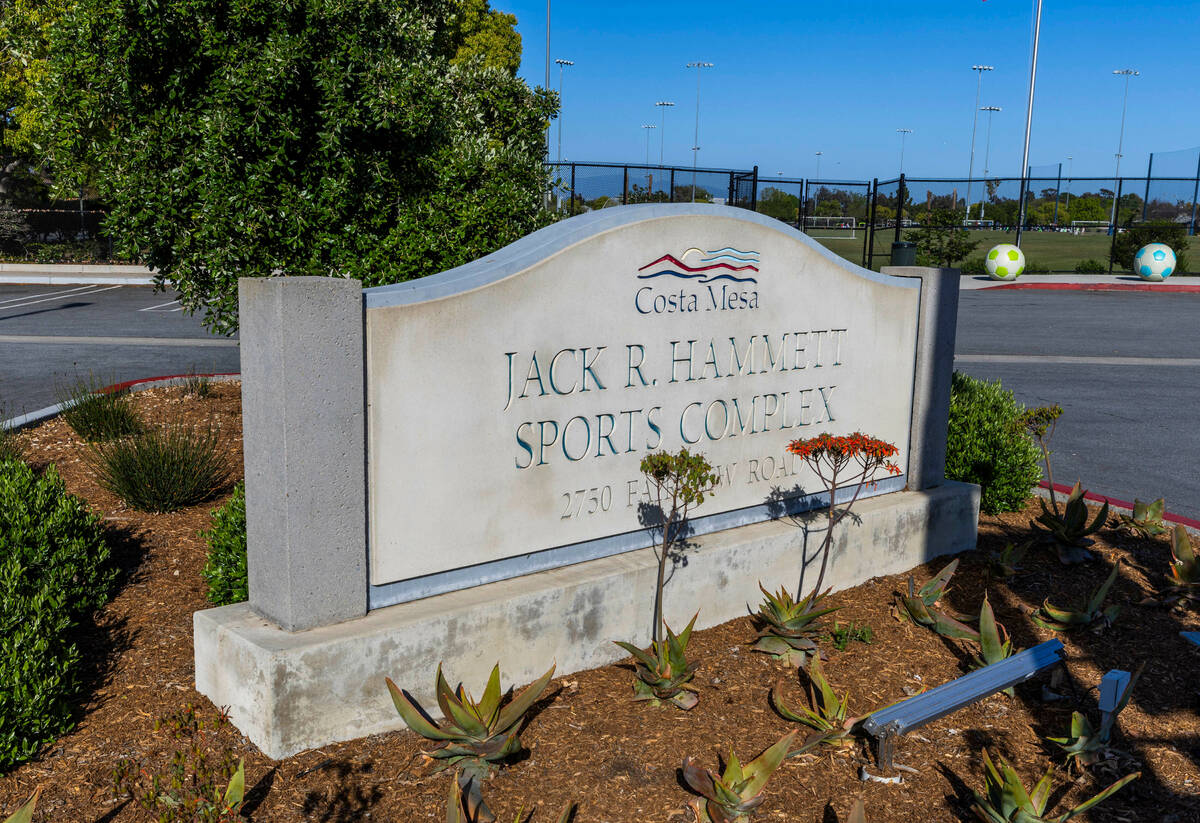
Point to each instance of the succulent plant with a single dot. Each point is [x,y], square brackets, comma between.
[829,715]
[1086,744]
[1146,519]
[736,793]
[474,735]
[1185,565]
[464,805]
[1004,564]
[788,626]
[1070,529]
[994,643]
[1006,801]
[664,672]
[1061,620]
[919,606]
[25,813]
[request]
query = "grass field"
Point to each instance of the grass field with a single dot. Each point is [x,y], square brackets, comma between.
[1057,251]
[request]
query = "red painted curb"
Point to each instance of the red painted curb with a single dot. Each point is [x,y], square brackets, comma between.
[128,384]
[1122,504]
[1178,288]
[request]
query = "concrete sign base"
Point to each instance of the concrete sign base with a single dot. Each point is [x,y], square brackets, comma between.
[294,691]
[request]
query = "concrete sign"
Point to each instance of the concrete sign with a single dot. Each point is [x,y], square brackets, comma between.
[510,401]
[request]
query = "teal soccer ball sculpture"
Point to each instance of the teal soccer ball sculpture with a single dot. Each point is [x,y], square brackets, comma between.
[1154,262]
[1004,262]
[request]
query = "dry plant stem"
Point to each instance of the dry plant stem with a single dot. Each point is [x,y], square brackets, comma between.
[661,554]
[832,518]
[1049,473]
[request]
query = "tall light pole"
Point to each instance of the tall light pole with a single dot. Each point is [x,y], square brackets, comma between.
[698,66]
[1126,73]
[1037,31]
[818,177]
[662,132]
[904,133]
[1070,165]
[547,86]
[987,156]
[646,127]
[561,65]
[974,122]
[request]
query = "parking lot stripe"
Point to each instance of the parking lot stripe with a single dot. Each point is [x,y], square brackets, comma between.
[43,294]
[62,340]
[1058,359]
[60,297]
[161,306]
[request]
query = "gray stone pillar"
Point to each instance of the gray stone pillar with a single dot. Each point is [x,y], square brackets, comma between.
[304,438]
[937,326]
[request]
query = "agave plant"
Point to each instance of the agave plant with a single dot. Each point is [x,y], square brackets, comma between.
[919,606]
[474,735]
[1061,620]
[829,716]
[1069,528]
[1006,800]
[788,627]
[1006,562]
[1185,565]
[994,643]
[464,805]
[737,791]
[663,673]
[1086,744]
[25,813]
[1146,520]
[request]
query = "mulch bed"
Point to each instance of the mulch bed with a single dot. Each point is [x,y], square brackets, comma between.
[587,742]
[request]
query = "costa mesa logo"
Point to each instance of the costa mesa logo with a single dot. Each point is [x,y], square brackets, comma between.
[718,280]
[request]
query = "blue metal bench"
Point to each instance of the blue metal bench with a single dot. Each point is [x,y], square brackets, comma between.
[888,724]
[1191,637]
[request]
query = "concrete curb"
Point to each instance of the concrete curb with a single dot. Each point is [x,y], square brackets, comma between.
[1172,288]
[34,417]
[67,274]
[1043,490]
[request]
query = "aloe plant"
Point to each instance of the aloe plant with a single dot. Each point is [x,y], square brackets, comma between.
[829,716]
[474,735]
[919,606]
[1007,561]
[663,673]
[737,792]
[464,805]
[1005,799]
[1086,744]
[1061,620]
[994,643]
[25,813]
[1185,565]
[788,626]
[1146,519]
[1069,528]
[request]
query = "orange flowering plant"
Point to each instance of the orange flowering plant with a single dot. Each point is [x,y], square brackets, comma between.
[840,461]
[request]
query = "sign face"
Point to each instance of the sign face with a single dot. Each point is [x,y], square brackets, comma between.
[511,401]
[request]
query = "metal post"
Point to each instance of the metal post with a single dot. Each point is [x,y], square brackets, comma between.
[1037,30]
[871,226]
[698,66]
[754,191]
[1057,194]
[863,259]
[901,196]
[662,132]
[625,187]
[672,200]
[547,86]
[1195,192]
[572,188]
[1113,226]
[974,123]
[1146,199]
[1126,73]
[561,65]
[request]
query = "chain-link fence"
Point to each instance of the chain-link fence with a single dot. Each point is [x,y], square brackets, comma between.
[579,187]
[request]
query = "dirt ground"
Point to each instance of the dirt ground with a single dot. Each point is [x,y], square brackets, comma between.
[587,742]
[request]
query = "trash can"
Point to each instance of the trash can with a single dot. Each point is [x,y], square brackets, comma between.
[904,254]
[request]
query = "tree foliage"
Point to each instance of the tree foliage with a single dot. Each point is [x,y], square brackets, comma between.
[356,138]
[943,241]
[779,204]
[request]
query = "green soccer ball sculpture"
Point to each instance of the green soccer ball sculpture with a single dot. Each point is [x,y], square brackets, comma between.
[1004,262]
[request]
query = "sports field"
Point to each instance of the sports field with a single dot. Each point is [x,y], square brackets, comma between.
[1056,251]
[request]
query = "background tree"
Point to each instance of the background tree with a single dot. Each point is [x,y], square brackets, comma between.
[779,204]
[357,138]
[942,241]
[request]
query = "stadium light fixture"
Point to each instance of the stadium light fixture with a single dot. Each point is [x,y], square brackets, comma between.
[1070,166]
[1126,73]
[662,132]
[903,134]
[698,65]
[987,157]
[980,69]
[647,127]
[561,65]
[1037,31]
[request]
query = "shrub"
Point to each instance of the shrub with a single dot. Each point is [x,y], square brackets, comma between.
[973,265]
[54,571]
[1090,266]
[163,469]
[1127,242]
[942,240]
[96,414]
[1034,267]
[225,571]
[986,444]
[10,449]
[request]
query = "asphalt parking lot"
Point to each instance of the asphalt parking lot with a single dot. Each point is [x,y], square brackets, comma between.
[1125,367]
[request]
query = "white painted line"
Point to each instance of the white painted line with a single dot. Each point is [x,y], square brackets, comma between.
[43,294]
[59,297]
[62,340]
[1054,359]
[161,306]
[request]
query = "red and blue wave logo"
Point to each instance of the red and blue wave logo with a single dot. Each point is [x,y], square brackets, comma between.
[708,266]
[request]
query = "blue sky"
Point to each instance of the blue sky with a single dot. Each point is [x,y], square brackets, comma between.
[795,78]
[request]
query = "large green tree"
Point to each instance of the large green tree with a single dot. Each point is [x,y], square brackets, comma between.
[377,139]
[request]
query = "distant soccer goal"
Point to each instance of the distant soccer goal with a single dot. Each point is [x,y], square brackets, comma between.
[1089,226]
[979,224]
[832,226]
